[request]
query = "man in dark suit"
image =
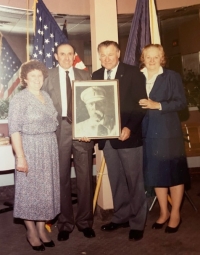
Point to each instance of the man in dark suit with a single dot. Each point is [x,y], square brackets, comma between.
[124,155]
[56,86]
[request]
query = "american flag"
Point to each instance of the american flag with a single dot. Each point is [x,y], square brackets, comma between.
[47,36]
[9,70]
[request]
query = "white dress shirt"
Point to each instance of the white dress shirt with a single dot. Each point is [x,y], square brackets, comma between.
[150,82]
[63,87]
[113,73]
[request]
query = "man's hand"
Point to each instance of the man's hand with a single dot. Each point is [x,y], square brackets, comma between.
[125,134]
[84,139]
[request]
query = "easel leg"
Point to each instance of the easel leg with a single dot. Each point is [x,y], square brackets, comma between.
[152,204]
[169,200]
[190,200]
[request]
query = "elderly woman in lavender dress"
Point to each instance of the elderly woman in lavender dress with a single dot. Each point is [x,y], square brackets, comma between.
[32,123]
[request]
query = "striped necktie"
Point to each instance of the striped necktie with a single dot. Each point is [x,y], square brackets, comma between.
[109,74]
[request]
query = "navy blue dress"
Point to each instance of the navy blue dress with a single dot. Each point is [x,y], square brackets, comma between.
[165,163]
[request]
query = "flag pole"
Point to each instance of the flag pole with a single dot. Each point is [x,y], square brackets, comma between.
[27,31]
[155,35]
[34,15]
[0,42]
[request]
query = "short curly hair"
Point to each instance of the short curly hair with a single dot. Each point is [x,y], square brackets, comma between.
[29,66]
[157,46]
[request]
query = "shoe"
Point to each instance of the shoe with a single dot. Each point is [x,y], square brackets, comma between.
[88,232]
[63,235]
[159,225]
[173,230]
[136,234]
[37,248]
[113,226]
[49,244]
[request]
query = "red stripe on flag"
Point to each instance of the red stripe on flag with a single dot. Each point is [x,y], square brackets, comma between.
[78,63]
[1,92]
[13,86]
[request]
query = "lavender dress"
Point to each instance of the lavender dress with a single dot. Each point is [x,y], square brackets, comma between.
[37,195]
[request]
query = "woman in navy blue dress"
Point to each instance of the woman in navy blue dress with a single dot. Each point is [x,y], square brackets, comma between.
[165,165]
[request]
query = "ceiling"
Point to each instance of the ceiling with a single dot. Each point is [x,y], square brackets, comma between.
[14,21]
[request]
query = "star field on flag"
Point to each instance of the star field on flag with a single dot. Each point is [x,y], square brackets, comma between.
[47,36]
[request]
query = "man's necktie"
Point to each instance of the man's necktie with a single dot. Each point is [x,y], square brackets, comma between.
[109,74]
[69,98]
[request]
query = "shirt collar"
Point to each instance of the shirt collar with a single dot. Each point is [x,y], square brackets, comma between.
[144,71]
[64,70]
[113,69]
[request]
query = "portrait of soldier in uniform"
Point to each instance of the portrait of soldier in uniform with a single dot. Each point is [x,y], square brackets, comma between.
[100,115]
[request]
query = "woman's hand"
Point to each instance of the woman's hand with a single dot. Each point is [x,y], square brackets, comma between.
[149,104]
[125,134]
[22,165]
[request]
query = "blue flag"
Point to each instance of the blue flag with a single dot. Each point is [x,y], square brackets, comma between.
[47,36]
[9,68]
[139,33]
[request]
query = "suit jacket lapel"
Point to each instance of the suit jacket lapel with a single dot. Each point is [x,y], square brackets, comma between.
[157,85]
[120,71]
[101,74]
[119,75]
[55,82]
[76,74]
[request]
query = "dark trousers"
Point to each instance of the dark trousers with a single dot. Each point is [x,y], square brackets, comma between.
[126,179]
[82,158]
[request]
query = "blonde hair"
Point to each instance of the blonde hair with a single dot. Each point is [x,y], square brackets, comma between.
[156,46]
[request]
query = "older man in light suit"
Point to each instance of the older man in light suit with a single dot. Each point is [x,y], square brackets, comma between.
[56,85]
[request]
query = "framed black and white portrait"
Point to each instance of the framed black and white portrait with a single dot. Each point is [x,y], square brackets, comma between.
[95,109]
